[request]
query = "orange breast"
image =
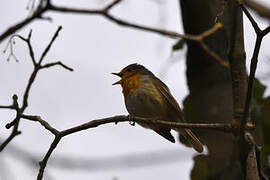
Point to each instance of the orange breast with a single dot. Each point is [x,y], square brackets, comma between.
[131,83]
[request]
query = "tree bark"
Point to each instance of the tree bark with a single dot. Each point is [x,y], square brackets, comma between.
[210,84]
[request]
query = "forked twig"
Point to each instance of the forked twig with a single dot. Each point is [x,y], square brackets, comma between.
[37,67]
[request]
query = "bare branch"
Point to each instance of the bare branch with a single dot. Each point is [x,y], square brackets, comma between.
[7,107]
[15,122]
[10,137]
[43,163]
[105,12]
[115,119]
[266,31]
[211,31]
[49,45]
[28,42]
[86,163]
[250,18]
[240,88]
[45,124]
[120,21]
[95,123]
[37,13]
[172,34]
[31,52]
[28,87]
[48,65]
[75,10]
[16,107]
[254,61]
[111,5]
[9,45]
[37,68]
[213,54]
[198,38]
[261,9]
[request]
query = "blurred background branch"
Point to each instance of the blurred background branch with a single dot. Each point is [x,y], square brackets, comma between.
[67,162]
[259,8]
[41,8]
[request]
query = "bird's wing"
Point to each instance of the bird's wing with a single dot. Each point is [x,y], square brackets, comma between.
[164,90]
[172,103]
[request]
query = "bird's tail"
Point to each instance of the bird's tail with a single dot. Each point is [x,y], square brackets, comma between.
[193,140]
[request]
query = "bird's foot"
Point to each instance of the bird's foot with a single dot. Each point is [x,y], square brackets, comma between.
[130,117]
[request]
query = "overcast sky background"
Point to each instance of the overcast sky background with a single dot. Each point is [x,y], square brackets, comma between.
[95,47]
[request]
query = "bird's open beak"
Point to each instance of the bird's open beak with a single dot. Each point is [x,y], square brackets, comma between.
[119,75]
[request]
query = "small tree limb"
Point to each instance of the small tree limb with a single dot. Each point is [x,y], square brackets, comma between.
[37,67]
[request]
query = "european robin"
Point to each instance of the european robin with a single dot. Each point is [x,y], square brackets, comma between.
[147,96]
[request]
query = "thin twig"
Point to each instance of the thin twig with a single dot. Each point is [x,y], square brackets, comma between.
[261,9]
[266,30]
[15,122]
[12,29]
[30,48]
[43,163]
[105,13]
[37,68]
[27,40]
[45,124]
[7,107]
[49,45]
[48,65]
[10,137]
[111,5]
[247,144]
[31,52]
[253,67]
[254,61]
[172,34]
[88,163]
[250,18]
[213,54]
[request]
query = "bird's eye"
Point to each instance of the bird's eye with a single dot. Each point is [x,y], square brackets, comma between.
[128,70]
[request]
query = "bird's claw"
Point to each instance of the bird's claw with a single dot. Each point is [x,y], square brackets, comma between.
[130,117]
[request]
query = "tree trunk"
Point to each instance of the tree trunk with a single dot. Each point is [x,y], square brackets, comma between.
[210,84]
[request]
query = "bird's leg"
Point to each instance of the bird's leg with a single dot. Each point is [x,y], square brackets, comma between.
[130,117]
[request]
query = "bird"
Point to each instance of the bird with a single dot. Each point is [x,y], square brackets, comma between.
[147,96]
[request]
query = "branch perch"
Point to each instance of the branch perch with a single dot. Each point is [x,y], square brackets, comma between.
[115,119]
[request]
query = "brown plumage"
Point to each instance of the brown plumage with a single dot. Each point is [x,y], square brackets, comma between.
[147,96]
